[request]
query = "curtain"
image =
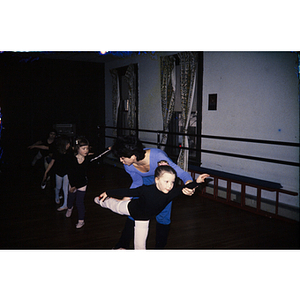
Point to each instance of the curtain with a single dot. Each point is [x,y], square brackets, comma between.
[130,79]
[188,74]
[115,97]
[131,98]
[168,84]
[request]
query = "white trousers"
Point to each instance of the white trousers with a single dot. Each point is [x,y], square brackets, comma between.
[140,227]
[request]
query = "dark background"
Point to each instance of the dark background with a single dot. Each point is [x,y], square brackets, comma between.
[36,93]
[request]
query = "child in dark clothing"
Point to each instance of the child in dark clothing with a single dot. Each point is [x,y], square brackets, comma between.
[45,150]
[77,173]
[152,200]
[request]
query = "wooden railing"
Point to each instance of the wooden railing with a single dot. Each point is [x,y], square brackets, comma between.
[244,183]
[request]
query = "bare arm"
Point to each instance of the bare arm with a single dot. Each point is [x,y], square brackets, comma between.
[43,147]
[48,169]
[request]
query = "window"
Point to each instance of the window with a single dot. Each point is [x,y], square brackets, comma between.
[174,141]
[127,111]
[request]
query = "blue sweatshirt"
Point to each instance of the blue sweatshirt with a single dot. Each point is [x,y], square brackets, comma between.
[155,156]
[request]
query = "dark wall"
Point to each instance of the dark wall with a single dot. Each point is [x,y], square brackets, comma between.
[37,93]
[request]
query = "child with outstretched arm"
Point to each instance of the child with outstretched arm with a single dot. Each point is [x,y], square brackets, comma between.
[152,200]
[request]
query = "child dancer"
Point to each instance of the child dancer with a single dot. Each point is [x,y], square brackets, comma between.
[59,163]
[77,173]
[152,200]
[140,163]
[46,149]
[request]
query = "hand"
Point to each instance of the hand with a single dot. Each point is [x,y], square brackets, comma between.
[188,192]
[72,189]
[103,196]
[45,177]
[201,178]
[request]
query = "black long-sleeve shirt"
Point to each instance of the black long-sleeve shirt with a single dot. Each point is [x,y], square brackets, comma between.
[61,160]
[151,201]
[77,173]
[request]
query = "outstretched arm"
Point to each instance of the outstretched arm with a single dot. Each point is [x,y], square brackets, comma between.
[39,147]
[188,191]
[193,185]
[122,194]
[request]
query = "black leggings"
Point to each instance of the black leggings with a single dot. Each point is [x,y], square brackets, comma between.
[77,197]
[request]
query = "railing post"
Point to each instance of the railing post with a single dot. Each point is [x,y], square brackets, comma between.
[243,194]
[228,196]
[216,183]
[258,199]
[277,203]
[158,140]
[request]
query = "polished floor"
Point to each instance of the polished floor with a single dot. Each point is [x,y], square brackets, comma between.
[29,219]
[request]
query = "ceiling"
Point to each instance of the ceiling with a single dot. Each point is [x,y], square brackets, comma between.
[87,56]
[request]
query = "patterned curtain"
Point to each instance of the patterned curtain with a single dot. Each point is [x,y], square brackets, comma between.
[168,84]
[188,74]
[130,79]
[115,97]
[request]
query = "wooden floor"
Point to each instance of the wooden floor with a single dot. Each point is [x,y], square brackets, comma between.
[29,219]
